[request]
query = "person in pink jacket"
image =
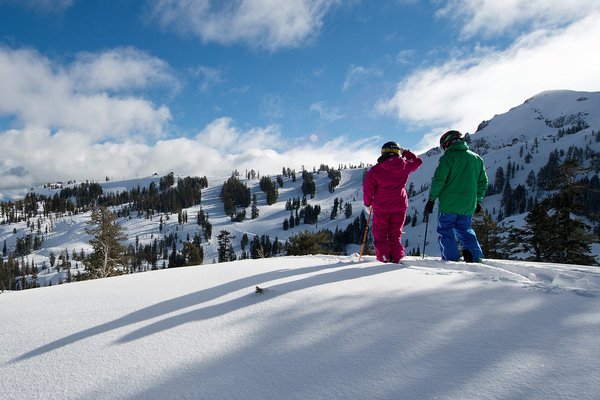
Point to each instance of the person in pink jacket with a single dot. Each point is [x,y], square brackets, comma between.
[384,189]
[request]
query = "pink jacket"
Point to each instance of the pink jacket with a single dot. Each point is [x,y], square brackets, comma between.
[384,185]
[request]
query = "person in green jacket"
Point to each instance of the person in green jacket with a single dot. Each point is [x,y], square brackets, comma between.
[459,181]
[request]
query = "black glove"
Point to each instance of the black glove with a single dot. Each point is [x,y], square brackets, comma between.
[428,207]
[478,208]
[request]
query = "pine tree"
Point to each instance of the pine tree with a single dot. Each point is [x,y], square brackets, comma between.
[574,244]
[551,231]
[499,180]
[334,179]
[334,209]
[276,247]
[267,186]
[548,177]
[192,254]
[234,194]
[489,235]
[348,210]
[531,180]
[533,237]
[306,243]
[308,184]
[225,249]
[507,202]
[261,247]
[244,241]
[520,199]
[108,257]
[254,210]
[207,231]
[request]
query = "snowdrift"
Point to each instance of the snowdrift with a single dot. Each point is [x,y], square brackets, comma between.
[325,328]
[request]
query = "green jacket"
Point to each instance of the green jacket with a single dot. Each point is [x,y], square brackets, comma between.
[459,180]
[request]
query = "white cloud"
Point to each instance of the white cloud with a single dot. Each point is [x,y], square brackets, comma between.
[34,156]
[38,92]
[326,113]
[219,134]
[268,24]
[493,17]
[118,69]
[222,136]
[405,56]
[272,106]
[462,92]
[358,73]
[209,76]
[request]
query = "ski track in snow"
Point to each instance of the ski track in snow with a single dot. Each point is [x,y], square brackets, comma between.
[551,278]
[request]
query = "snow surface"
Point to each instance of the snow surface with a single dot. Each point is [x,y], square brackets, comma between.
[327,327]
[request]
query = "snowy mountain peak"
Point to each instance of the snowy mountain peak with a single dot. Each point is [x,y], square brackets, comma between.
[543,115]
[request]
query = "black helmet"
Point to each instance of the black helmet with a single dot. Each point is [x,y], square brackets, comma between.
[448,138]
[391,148]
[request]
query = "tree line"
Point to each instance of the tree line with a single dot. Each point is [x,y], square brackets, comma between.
[554,229]
[169,196]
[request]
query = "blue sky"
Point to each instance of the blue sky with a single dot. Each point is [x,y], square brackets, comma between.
[128,88]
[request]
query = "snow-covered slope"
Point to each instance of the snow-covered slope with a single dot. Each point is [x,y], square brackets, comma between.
[542,115]
[326,328]
[68,233]
[528,129]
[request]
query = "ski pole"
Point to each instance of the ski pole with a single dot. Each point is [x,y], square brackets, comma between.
[426,228]
[365,234]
